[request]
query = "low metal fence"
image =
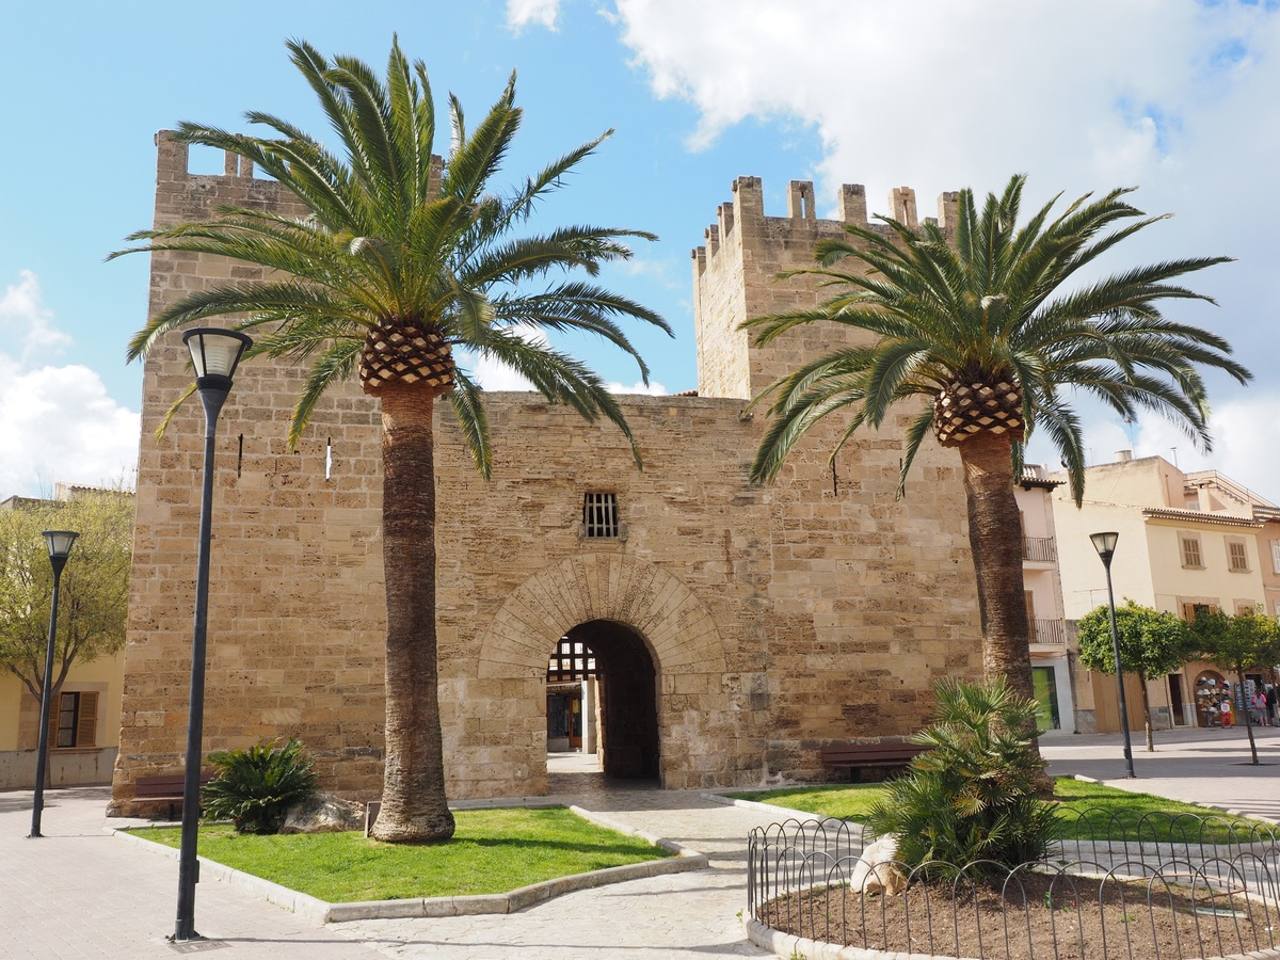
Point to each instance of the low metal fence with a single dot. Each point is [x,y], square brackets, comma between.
[1157,887]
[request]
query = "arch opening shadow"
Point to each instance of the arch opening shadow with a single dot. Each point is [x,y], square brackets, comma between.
[618,715]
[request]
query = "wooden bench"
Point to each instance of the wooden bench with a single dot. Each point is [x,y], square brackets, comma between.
[855,756]
[165,789]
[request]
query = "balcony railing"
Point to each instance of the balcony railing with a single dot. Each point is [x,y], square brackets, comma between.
[1053,632]
[1040,548]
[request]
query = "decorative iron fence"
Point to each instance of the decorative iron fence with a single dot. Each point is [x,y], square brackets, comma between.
[1157,887]
[1040,548]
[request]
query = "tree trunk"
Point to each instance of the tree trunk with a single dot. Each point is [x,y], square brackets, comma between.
[1248,720]
[414,807]
[1146,714]
[995,535]
[995,538]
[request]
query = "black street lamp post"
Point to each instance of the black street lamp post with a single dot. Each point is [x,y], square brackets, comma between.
[59,543]
[1105,544]
[215,355]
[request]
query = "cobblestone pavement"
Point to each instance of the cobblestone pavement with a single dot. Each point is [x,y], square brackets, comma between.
[1196,765]
[692,916]
[80,893]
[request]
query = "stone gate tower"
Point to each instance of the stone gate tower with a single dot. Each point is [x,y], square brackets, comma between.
[737,629]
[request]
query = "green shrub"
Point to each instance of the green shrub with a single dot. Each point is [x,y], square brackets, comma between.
[973,794]
[255,787]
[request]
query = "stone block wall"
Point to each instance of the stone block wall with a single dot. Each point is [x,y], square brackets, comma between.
[778,618]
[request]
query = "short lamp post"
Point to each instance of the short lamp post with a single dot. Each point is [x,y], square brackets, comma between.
[1105,544]
[59,543]
[215,354]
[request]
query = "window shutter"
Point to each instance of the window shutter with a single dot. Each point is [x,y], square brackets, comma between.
[87,722]
[1191,552]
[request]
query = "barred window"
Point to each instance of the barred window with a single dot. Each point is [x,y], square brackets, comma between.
[600,515]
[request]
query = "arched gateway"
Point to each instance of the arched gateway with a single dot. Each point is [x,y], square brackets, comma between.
[594,594]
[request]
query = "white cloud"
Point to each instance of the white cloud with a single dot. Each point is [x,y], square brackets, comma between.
[1246,442]
[521,13]
[653,388]
[56,422]
[665,273]
[491,373]
[26,320]
[1173,95]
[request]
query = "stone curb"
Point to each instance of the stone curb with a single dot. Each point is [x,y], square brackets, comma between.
[321,911]
[788,946]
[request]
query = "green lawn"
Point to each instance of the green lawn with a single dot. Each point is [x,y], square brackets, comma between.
[1099,803]
[493,851]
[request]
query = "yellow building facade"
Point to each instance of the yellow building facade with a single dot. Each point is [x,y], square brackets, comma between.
[84,727]
[1189,541]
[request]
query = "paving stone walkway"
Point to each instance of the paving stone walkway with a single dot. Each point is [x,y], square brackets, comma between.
[1195,765]
[80,893]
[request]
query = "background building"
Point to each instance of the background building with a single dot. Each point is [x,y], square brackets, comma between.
[1052,639]
[84,724]
[1188,541]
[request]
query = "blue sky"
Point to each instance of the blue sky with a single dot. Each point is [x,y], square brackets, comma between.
[129,70]
[1175,96]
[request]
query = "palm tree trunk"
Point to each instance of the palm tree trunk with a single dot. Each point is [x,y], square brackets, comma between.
[1146,713]
[995,535]
[414,807]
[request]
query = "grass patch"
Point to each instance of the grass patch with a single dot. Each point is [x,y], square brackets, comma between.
[493,851]
[1087,810]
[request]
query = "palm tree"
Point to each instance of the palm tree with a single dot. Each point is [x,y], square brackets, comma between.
[978,325]
[396,264]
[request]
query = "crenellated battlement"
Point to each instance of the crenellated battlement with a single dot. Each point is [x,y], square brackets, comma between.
[737,268]
[173,165]
[747,209]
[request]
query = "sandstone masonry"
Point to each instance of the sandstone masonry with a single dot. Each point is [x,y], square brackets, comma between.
[778,619]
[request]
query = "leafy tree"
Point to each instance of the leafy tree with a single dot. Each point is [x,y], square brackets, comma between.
[95,585]
[395,266]
[1152,643]
[974,334]
[973,794]
[1234,644]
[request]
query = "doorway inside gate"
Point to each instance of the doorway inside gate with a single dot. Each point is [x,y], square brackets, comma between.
[602,705]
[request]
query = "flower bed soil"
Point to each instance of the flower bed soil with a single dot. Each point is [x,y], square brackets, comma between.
[927,920]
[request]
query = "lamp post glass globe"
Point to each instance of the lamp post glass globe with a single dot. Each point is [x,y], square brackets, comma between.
[1105,544]
[59,543]
[215,352]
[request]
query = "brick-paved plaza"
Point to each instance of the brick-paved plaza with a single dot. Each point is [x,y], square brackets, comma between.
[115,901]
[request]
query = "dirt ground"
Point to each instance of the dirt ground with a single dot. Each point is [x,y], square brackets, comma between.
[1070,921]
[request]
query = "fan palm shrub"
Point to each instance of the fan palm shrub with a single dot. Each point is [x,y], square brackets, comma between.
[975,335]
[973,795]
[255,788]
[396,266]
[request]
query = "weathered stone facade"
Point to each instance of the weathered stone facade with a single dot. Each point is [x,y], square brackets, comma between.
[777,618]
